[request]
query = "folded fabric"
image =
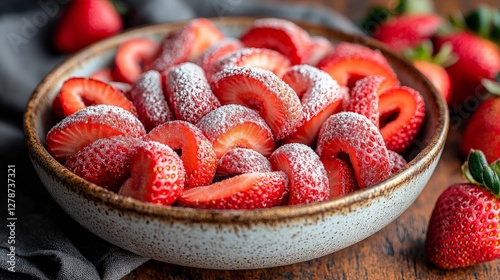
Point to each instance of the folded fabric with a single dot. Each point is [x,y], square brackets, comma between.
[48,243]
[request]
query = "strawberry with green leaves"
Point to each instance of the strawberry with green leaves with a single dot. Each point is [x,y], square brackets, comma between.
[464,228]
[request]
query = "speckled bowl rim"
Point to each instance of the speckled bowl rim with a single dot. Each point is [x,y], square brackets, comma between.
[73,183]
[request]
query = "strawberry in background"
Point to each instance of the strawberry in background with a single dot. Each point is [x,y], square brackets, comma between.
[84,22]
[474,40]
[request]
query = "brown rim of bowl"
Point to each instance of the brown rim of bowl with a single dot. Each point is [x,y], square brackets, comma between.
[75,184]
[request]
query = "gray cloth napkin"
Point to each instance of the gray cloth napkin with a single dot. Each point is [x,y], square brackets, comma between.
[48,243]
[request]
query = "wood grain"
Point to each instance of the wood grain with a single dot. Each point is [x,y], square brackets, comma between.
[397,251]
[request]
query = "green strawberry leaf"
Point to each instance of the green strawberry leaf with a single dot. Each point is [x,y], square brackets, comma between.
[480,21]
[477,162]
[477,171]
[495,166]
[491,86]
[491,180]
[376,16]
[415,7]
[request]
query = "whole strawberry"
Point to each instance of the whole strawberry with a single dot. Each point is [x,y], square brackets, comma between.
[85,22]
[464,228]
[482,132]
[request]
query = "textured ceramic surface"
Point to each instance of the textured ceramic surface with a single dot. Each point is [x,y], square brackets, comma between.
[231,239]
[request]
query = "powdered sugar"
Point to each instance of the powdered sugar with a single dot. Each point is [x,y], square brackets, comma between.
[241,160]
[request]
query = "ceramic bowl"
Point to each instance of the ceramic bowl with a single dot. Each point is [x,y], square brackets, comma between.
[231,239]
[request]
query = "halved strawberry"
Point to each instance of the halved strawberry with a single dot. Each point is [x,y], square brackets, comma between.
[132,58]
[186,44]
[398,161]
[308,181]
[235,126]
[189,93]
[321,96]
[78,93]
[149,100]
[105,162]
[320,46]
[240,160]
[355,135]
[157,175]
[402,112]
[262,91]
[103,75]
[349,62]
[245,191]
[197,153]
[217,51]
[89,124]
[253,57]
[364,98]
[341,176]
[280,35]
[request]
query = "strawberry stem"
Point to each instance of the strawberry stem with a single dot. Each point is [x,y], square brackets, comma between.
[477,171]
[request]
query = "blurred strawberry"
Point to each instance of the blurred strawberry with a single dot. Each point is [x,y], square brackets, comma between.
[482,132]
[463,228]
[85,22]
[408,25]
[473,42]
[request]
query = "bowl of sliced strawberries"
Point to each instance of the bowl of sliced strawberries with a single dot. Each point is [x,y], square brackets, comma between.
[235,143]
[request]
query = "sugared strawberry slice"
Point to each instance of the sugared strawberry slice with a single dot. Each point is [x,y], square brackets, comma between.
[103,75]
[197,153]
[124,88]
[307,176]
[280,35]
[398,161]
[341,176]
[92,123]
[189,93]
[132,58]
[320,47]
[105,162]
[355,135]
[240,160]
[402,112]
[349,62]
[253,57]
[262,91]
[321,97]
[149,100]
[157,175]
[186,44]
[245,191]
[364,98]
[78,93]
[217,51]
[235,126]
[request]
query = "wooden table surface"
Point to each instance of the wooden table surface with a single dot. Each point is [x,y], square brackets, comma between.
[395,252]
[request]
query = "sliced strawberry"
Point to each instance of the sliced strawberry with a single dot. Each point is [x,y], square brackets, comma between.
[280,35]
[240,160]
[341,176]
[264,92]
[349,62]
[245,191]
[189,93]
[186,44]
[320,47]
[124,88]
[364,98]
[105,162]
[321,97]
[398,161]
[253,57]
[91,123]
[402,112]
[103,75]
[307,177]
[197,153]
[235,126]
[157,175]
[149,100]
[78,93]
[355,135]
[132,57]
[217,51]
